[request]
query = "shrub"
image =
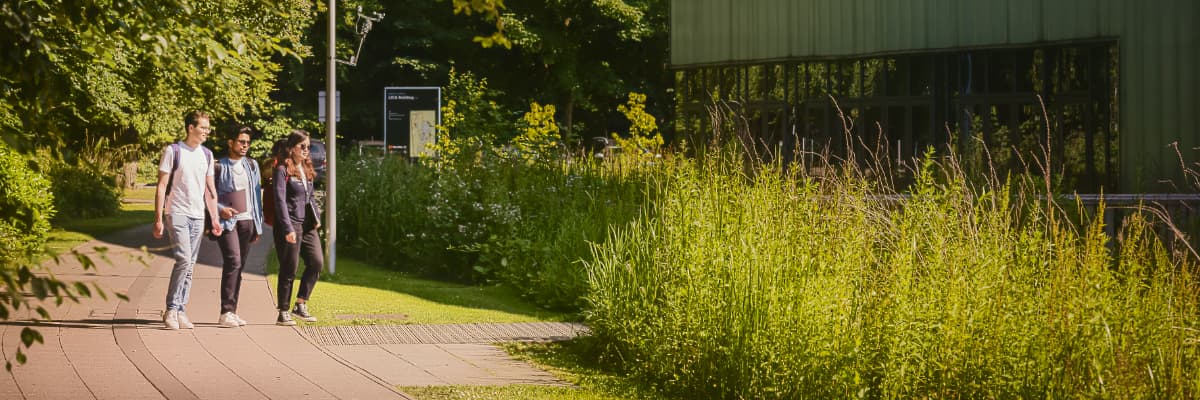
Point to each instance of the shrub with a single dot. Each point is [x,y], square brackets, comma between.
[83,191]
[485,217]
[26,207]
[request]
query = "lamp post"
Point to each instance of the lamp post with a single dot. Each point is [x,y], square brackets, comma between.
[331,143]
[361,27]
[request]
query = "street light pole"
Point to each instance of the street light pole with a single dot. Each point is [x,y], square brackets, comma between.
[331,143]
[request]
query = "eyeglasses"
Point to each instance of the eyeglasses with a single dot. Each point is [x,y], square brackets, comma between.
[303,146]
[243,141]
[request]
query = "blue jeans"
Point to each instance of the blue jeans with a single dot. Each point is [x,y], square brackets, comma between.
[184,233]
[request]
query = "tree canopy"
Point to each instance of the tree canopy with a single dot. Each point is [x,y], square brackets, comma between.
[77,69]
[583,57]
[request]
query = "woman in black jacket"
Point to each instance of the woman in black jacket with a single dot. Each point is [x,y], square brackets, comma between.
[296,221]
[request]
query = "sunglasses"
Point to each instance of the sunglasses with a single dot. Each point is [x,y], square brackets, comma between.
[242,141]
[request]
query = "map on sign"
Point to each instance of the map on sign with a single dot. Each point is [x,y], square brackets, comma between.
[422,130]
[410,119]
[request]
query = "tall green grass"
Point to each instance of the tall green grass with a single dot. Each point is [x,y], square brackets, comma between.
[773,285]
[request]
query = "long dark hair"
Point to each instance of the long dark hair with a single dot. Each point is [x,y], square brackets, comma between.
[288,156]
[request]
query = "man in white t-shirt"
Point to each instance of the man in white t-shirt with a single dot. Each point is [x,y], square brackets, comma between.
[185,190]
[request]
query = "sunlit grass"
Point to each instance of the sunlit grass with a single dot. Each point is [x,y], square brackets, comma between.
[507,392]
[360,289]
[573,362]
[139,194]
[67,234]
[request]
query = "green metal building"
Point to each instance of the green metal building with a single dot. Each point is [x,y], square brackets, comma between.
[1118,79]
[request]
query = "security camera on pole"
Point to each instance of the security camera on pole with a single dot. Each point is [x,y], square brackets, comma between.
[361,27]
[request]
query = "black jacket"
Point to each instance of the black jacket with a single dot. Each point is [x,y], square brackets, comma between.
[291,197]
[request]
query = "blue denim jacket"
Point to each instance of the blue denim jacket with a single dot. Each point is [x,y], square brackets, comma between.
[224,182]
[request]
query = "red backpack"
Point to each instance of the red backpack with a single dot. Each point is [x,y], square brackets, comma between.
[268,193]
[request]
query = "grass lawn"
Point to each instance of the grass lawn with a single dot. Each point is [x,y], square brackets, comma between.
[523,392]
[69,233]
[363,289]
[360,292]
[569,361]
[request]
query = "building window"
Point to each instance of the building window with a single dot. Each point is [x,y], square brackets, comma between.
[984,104]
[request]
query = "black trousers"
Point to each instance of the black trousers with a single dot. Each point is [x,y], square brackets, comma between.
[307,247]
[235,247]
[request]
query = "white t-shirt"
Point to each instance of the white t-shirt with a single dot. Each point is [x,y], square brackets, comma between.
[241,181]
[187,189]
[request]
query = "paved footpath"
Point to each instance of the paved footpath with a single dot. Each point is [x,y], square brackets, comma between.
[112,349]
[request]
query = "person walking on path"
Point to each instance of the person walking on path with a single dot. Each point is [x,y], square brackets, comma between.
[184,193]
[239,203]
[296,223]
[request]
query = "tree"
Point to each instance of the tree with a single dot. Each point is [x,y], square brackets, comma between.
[582,57]
[130,69]
[591,53]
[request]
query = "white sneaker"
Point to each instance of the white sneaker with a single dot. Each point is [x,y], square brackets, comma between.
[184,323]
[240,321]
[228,320]
[171,319]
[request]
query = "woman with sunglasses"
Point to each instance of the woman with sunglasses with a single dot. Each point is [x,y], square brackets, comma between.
[296,221]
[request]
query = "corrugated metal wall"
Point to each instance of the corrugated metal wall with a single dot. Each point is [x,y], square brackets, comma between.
[1159,41]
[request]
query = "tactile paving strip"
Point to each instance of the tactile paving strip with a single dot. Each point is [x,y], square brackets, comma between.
[481,333]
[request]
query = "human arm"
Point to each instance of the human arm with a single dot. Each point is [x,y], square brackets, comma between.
[210,201]
[283,219]
[160,199]
[165,169]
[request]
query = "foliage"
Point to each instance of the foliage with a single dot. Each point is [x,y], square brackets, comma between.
[767,285]
[26,207]
[539,139]
[128,70]
[475,215]
[490,9]
[584,80]
[82,191]
[471,111]
[644,139]
[554,61]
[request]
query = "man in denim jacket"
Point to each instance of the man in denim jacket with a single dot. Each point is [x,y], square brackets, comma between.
[239,205]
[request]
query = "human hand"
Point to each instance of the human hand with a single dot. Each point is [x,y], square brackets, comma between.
[216,230]
[158,229]
[254,238]
[290,238]
[227,212]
